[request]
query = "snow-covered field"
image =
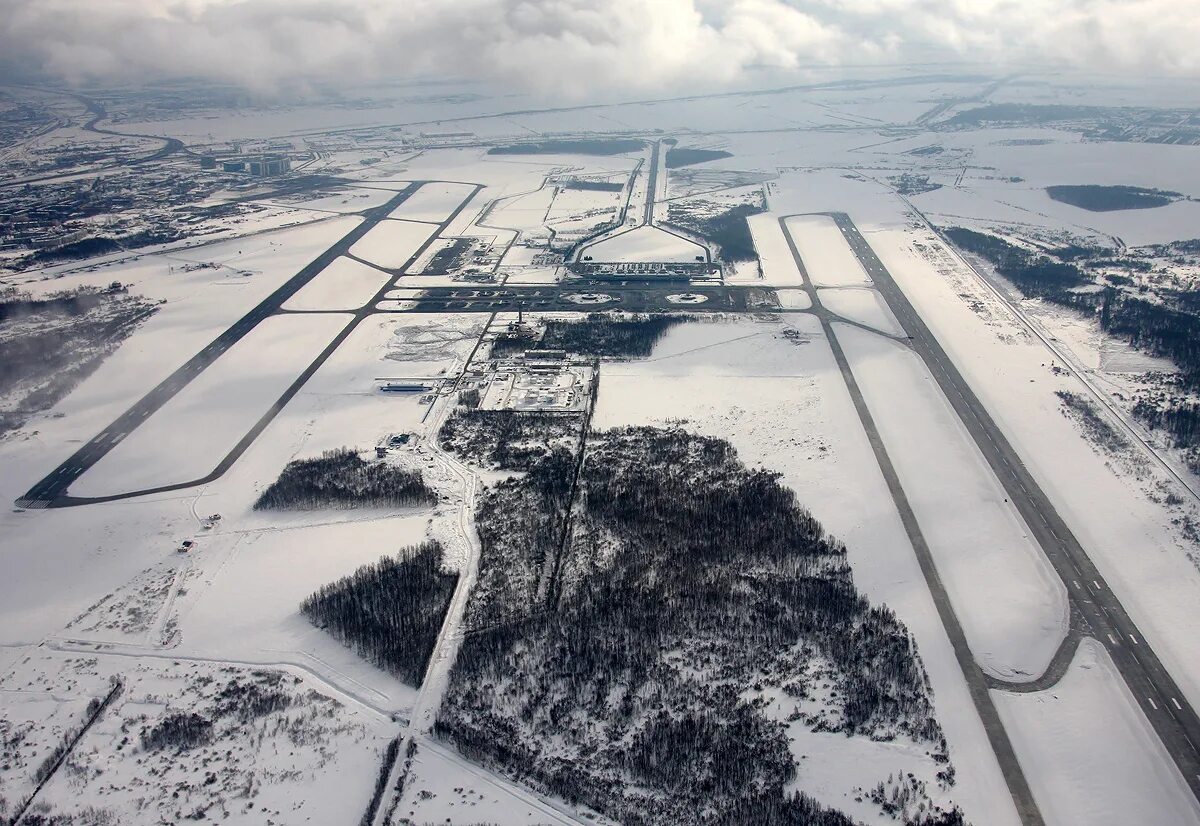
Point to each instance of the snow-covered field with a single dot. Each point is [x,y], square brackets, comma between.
[643,244]
[188,436]
[267,746]
[1011,603]
[794,299]
[391,243]
[825,254]
[778,265]
[345,284]
[433,203]
[862,305]
[1089,752]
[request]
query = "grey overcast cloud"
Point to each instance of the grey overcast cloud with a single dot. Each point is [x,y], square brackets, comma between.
[270,46]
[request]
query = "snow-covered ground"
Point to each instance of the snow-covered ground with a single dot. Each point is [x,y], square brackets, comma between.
[1090,754]
[1011,603]
[391,243]
[345,284]
[794,299]
[310,757]
[862,305]
[188,436]
[433,203]
[826,256]
[645,243]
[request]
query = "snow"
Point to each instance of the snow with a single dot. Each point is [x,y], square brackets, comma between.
[826,256]
[645,243]
[1090,754]
[433,202]
[188,436]
[794,299]
[315,759]
[861,305]
[738,380]
[345,284]
[352,199]
[443,787]
[254,580]
[392,244]
[1010,602]
[778,264]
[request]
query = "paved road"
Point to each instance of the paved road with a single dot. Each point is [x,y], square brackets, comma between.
[51,491]
[1091,600]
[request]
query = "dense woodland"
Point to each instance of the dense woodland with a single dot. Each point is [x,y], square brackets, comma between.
[507,440]
[1096,198]
[678,156]
[340,478]
[727,228]
[1168,327]
[1034,274]
[606,335]
[389,612]
[637,608]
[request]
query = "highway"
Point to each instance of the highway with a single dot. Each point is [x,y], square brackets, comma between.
[51,491]
[1093,603]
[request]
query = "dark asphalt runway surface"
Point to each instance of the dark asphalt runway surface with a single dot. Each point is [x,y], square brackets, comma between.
[629,296]
[1092,601]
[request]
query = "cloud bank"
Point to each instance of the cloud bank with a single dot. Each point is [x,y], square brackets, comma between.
[571,48]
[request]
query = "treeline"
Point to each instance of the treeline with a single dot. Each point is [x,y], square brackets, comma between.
[1155,328]
[690,588]
[1097,198]
[389,612]
[1034,274]
[685,156]
[594,146]
[1169,328]
[727,228]
[606,335]
[340,478]
[1097,428]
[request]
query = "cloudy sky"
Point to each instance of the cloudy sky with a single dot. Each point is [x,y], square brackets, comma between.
[575,48]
